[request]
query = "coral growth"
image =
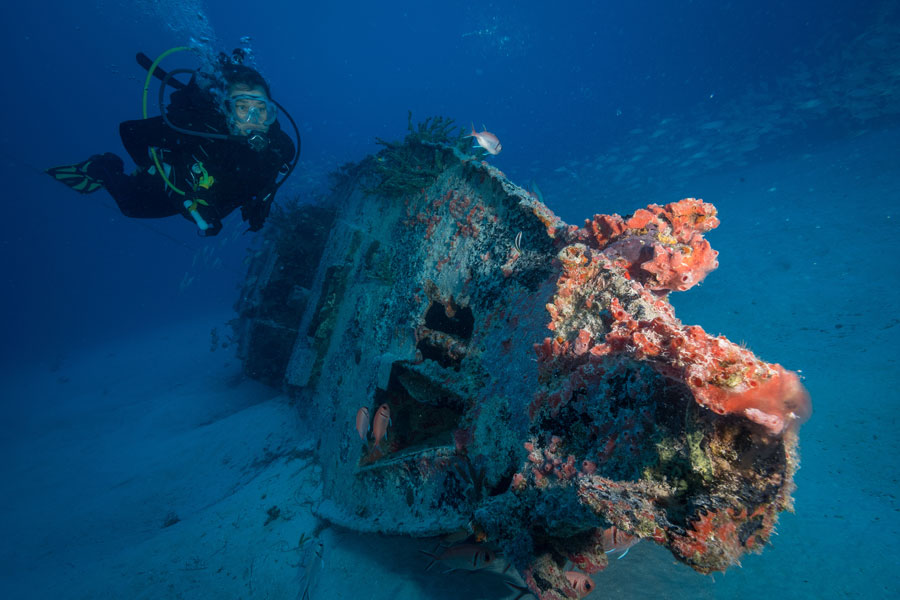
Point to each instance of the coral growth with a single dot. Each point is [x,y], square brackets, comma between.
[409,166]
[682,472]
[724,377]
[660,247]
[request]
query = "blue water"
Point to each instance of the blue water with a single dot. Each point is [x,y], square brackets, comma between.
[784,115]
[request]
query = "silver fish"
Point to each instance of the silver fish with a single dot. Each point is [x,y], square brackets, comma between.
[486,140]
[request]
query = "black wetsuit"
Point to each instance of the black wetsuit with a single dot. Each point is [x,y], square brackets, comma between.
[242,177]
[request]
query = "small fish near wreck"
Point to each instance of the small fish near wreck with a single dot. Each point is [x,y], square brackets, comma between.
[362,422]
[560,379]
[380,423]
[463,557]
[581,583]
[486,140]
[615,540]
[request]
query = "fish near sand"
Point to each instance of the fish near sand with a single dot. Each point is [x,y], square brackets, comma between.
[616,540]
[583,584]
[362,422]
[463,557]
[486,140]
[381,422]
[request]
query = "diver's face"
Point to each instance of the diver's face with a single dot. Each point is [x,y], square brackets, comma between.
[248,113]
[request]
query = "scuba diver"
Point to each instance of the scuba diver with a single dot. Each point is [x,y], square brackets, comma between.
[217,146]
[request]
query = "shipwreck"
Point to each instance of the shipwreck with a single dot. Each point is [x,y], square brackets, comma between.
[541,391]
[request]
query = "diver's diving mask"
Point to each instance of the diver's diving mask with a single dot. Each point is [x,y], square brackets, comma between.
[252,110]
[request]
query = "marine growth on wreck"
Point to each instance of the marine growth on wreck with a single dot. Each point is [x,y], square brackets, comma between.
[542,396]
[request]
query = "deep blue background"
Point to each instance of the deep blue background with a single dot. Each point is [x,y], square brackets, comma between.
[556,84]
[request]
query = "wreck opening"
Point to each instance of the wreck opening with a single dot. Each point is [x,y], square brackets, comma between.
[424,413]
[443,337]
[453,320]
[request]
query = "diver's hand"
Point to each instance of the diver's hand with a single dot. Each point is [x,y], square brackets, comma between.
[256,224]
[256,212]
[214,228]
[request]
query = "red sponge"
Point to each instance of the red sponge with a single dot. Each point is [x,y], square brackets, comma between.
[775,402]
